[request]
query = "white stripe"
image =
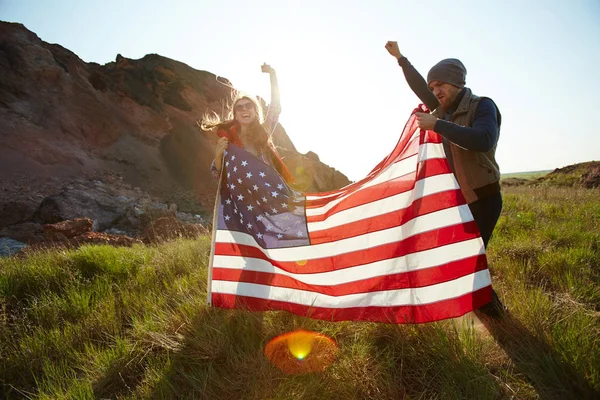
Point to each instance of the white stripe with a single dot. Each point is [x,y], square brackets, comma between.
[387,298]
[415,136]
[424,223]
[412,262]
[424,187]
[427,151]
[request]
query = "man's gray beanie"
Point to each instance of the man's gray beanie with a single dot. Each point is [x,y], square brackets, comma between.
[450,70]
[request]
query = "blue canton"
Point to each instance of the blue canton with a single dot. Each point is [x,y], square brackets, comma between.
[254,199]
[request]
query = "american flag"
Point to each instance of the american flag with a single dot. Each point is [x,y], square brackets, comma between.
[399,246]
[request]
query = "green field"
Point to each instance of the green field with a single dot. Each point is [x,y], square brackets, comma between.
[101,322]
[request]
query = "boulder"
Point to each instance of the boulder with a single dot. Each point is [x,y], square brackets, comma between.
[67,229]
[94,203]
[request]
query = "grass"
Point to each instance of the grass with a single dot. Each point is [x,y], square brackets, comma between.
[104,322]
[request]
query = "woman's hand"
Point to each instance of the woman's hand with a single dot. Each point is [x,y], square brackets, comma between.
[221,147]
[266,68]
[392,48]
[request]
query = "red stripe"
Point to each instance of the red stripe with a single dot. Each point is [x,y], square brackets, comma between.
[386,189]
[404,280]
[420,242]
[422,206]
[431,137]
[413,314]
[324,199]
[410,150]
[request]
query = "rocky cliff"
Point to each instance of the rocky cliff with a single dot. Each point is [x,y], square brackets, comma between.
[63,120]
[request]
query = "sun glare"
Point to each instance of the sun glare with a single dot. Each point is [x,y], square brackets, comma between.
[301,351]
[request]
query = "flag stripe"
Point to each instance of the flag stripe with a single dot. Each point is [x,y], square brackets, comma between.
[397,297]
[410,150]
[424,259]
[425,205]
[425,223]
[340,287]
[399,169]
[352,258]
[411,314]
[399,185]
[395,156]
[424,187]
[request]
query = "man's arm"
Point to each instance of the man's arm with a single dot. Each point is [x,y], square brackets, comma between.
[482,136]
[418,84]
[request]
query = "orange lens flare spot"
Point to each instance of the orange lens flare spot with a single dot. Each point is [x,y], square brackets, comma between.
[300,344]
[301,352]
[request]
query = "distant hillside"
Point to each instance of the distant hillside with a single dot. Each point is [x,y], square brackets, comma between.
[586,175]
[526,174]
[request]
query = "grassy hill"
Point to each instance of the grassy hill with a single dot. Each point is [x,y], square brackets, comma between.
[586,175]
[104,322]
[526,174]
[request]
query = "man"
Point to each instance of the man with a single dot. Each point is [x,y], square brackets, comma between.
[470,128]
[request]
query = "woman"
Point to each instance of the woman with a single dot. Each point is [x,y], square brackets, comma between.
[245,129]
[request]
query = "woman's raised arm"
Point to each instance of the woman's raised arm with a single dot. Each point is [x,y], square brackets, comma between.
[274,110]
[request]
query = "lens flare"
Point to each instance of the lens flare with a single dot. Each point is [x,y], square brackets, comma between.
[303,179]
[300,344]
[301,352]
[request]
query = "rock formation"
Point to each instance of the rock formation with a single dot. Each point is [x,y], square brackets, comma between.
[73,135]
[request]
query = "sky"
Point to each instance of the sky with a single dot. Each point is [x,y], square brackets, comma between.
[343,96]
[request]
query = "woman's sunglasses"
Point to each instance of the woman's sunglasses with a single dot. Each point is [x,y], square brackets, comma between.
[245,106]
